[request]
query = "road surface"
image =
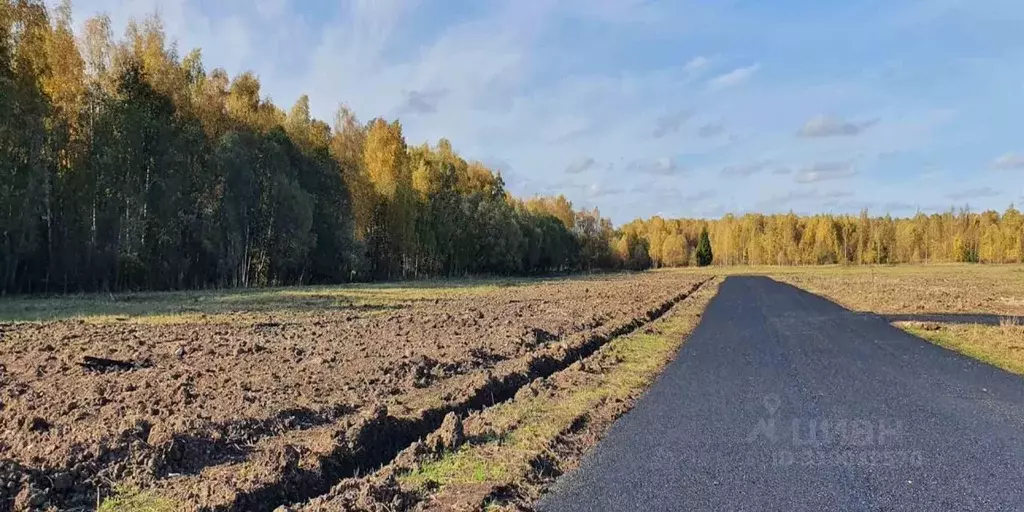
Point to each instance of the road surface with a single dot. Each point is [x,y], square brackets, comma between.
[782,400]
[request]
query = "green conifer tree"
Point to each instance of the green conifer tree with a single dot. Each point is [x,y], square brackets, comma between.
[704,255]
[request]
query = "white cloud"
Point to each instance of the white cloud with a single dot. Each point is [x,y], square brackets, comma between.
[733,78]
[643,12]
[598,190]
[581,166]
[789,199]
[744,170]
[710,130]
[825,171]
[973,193]
[697,65]
[825,126]
[1009,161]
[670,123]
[664,166]
[423,102]
[272,9]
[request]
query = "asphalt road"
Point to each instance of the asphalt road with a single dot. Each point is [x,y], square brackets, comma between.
[782,400]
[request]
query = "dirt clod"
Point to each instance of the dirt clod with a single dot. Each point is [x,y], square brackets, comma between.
[38,424]
[449,437]
[101,364]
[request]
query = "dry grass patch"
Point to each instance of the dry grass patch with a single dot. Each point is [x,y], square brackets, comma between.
[1001,345]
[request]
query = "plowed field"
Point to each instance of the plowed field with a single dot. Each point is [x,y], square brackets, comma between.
[249,408]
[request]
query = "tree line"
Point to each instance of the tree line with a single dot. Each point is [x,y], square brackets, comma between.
[124,166]
[789,239]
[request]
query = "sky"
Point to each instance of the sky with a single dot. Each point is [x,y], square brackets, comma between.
[678,108]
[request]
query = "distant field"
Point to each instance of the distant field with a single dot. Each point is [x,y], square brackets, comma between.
[190,306]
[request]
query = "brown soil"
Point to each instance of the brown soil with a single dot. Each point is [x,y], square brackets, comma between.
[240,416]
[521,484]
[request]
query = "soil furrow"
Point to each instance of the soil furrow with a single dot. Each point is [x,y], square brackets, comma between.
[377,441]
[201,401]
[575,404]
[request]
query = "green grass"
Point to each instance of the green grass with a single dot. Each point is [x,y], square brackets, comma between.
[462,467]
[130,500]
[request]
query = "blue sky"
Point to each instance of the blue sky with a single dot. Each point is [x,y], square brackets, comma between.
[677,108]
